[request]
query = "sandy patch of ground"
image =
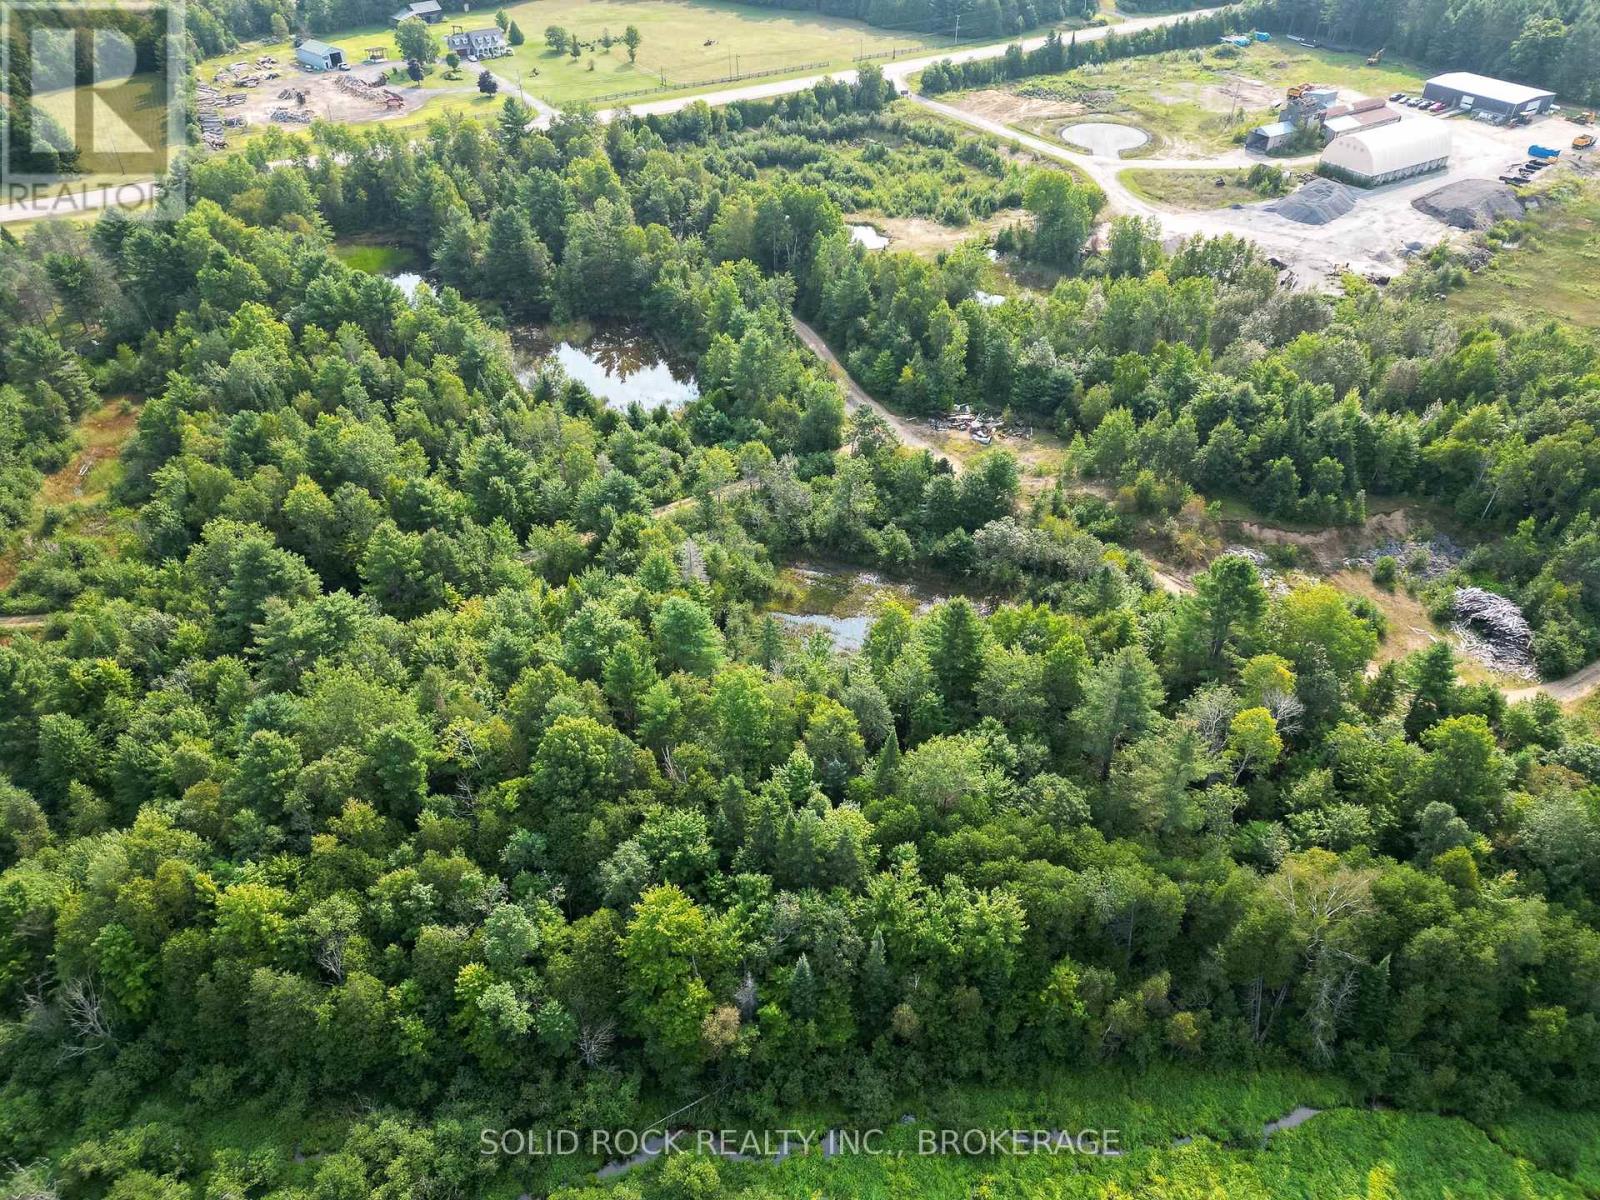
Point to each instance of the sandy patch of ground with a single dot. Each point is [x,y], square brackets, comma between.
[1239,90]
[1011,109]
[1410,627]
[1329,548]
[325,99]
[923,236]
[1105,138]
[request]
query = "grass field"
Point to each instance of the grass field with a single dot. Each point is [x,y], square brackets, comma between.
[1192,190]
[686,43]
[1555,272]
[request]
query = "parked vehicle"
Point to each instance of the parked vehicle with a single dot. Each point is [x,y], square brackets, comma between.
[1397,96]
[1584,141]
[1439,107]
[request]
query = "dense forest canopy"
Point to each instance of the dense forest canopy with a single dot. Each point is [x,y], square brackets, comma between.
[420,732]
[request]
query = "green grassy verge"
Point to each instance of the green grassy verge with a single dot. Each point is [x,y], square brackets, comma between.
[1192,190]
[1554,271]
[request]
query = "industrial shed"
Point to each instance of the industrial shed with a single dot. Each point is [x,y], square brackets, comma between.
[1378,156]
[318,56]
[1267,138]
[1479,93]
[1359,121]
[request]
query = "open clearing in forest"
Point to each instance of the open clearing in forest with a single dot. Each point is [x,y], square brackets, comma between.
[686,44]
[88,476]
[128,117]
[82,483]
[1554,271]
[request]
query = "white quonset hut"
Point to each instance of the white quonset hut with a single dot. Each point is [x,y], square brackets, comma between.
[1387,155]
[1480,93]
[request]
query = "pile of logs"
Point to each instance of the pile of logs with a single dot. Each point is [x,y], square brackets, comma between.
[1497,625]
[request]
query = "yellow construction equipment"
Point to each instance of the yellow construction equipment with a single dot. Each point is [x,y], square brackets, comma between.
[1584,141]
[1376,57]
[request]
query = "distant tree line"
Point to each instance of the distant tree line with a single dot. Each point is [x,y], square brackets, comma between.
[1059,53]
[1550,43]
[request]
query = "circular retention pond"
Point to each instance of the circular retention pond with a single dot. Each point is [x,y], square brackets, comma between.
[1105,140]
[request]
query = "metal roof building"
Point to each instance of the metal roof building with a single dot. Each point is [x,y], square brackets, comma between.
[1480,93]
[318,56]
[1267,138]
[1375,157]
[1356,122]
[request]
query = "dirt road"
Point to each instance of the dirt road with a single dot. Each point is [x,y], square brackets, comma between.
[855,396]
[1570,690]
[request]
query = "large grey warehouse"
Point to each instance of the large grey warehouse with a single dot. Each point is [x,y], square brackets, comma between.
[1479,93]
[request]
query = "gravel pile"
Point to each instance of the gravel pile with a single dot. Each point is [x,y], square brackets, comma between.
[1319,202]
[1258,557]
[1471,204]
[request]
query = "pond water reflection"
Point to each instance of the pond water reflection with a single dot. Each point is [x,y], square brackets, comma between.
[620,365]
[868,237]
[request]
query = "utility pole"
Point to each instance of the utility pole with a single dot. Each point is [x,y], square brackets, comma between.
[957,40]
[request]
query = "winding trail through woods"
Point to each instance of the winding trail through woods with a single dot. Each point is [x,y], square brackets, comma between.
[855,396]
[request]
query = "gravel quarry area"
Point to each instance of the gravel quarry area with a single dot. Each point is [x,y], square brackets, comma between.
[1471,204]
[1317,203]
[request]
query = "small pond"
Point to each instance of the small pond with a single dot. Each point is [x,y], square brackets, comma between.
[842,601]
[400,265]
[1105,140]
[621,365]
[407,282]
[868,237]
